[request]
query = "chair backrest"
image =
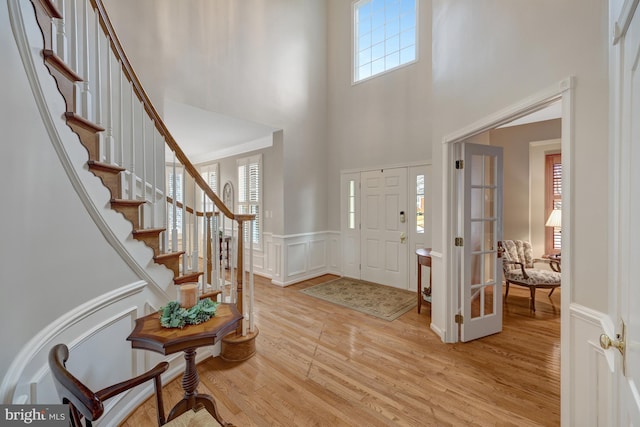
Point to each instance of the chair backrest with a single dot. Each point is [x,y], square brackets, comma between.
[518,251]
[82,401]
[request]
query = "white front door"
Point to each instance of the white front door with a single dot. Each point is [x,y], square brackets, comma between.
[625,222]
[481,287]
[384,227]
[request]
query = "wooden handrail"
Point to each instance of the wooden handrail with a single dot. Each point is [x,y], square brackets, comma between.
[190,209]
[107,27]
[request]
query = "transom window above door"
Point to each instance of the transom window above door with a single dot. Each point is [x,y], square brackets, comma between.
[385,34]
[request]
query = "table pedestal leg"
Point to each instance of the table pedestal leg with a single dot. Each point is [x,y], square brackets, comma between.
[192,399]
[419,286]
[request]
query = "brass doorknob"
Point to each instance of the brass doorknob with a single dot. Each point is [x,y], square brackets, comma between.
[606,342]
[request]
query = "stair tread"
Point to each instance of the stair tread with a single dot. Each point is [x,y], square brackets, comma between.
[141,231]
[57,62]
[188,277]
[94,164]
[127,202]
[87,124]
[210,294]
[168,255]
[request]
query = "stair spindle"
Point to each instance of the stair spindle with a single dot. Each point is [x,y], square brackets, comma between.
[132,147]
[86,75]
[98,84]
[174,218]
[61,37]
[109,141]
[184,219]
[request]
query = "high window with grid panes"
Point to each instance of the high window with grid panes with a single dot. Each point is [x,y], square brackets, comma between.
[385,34]
[250,194]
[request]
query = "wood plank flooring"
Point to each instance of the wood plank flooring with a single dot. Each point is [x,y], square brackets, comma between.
[319,364]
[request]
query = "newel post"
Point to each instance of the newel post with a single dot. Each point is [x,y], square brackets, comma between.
[240,345]
[241,218]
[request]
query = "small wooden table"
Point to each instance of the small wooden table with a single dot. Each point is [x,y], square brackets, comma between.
[148,334]
[424,258]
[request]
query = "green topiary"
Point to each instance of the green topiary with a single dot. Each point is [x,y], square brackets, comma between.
[174,316]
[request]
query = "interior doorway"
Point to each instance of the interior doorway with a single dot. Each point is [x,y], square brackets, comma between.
[537,102]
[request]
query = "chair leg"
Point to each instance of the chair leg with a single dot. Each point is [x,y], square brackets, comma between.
[533,298]
[551,293]
[506,291]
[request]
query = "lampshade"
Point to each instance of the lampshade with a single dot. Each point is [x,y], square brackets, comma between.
[555,219]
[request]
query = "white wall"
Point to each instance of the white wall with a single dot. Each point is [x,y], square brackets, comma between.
[515,143]
[491,54]
[256,60]
[71,272]
[380,122]
[52,256]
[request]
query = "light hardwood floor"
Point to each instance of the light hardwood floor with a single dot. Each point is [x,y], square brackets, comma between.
[318,364]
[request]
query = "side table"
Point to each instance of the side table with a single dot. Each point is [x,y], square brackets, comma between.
[148,334]
[424,258]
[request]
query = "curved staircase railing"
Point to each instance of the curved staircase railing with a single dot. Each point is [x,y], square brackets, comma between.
[153,184]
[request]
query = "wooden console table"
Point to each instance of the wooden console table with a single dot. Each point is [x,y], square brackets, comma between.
[424,258]
[148,334]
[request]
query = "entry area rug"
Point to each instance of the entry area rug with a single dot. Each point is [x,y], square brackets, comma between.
[382,301]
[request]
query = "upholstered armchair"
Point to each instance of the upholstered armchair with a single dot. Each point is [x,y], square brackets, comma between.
[519,269]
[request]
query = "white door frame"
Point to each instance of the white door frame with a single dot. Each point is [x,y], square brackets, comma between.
[563,90]
[412,240]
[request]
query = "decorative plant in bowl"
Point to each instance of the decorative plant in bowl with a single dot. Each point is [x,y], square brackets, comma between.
[173,315]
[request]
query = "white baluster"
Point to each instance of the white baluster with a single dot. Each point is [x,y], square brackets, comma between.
[174,226]
[194,241]
[251,296]
[205,227]
[61,37]
[74,49]
[154,182]
[184,219]
[219,276]
[98,86]
[145,211]
[86,89]
[121,114]
[232,266]
[73,35]
[132,148]
[109,141]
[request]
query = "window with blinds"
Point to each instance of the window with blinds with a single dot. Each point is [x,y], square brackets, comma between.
[210,174]
[553,200]
[250,194]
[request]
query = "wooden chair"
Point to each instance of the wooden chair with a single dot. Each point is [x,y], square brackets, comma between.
[84,403]
[518,266]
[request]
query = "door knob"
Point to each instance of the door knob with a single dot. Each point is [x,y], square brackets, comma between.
[619,342]
[606,342]
[403,237]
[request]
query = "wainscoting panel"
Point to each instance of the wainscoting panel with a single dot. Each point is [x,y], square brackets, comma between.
[290,259]
[317,254]
[591,369]
[334,256]
[297,258]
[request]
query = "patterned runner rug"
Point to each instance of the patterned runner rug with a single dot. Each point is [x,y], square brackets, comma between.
[382,301]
